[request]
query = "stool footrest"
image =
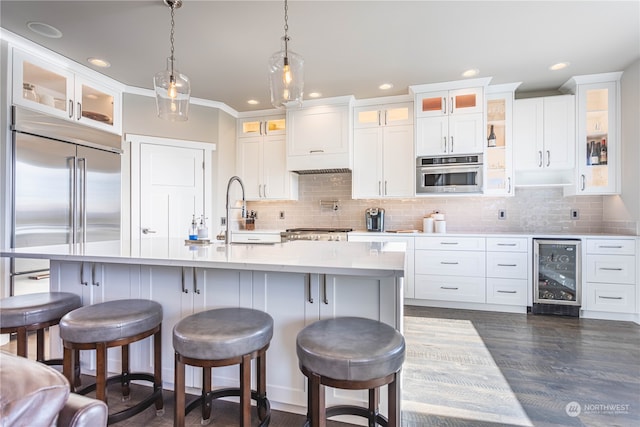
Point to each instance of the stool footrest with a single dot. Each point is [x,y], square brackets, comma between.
[140,406]
[263,405]
[352,410]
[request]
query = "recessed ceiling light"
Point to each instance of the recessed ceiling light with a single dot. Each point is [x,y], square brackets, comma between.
[472,72]
[99,62]
[253,102]
[45,30]
[559,66]
[385,86]
[315,95]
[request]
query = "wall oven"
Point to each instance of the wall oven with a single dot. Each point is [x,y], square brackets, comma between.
[449,174]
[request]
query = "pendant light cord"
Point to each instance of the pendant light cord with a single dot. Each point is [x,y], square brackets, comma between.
[172,32]
[286,29]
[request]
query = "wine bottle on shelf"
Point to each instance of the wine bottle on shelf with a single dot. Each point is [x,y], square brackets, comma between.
[594,154]
[589,151]
[603,152]
[491,141]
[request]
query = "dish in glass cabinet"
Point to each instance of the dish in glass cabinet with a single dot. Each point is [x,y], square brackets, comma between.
[98,117]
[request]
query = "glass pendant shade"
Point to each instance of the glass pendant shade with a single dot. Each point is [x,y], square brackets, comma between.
[286,78]
[172,93]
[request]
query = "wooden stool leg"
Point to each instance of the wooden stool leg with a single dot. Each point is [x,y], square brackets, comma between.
[318,407]
[21,335]
[374,399]
[101,372]
[76,368]
[124,361]
[261,384]
[157,369]
[69,366]
[179,392]
[394,413]
[245,391]
[206,388]
[40,345]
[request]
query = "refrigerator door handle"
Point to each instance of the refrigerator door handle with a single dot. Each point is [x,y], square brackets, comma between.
[73,201]
[83,199]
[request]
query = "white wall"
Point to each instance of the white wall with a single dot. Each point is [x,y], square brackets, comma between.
[5,185]
[626,207]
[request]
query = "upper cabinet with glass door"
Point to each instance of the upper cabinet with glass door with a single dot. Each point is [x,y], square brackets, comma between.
[598,130]
[58,90]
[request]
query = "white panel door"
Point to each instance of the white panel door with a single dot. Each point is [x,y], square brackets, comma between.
[171,189]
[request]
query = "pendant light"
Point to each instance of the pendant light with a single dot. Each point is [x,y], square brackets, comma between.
[172,87]
[286,72]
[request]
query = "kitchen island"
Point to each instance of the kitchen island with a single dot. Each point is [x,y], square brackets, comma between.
[297,283]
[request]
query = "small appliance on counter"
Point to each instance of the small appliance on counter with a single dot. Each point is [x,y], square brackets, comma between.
[374,218]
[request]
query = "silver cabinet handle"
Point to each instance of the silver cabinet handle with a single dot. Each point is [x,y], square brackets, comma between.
[324,289]
[448,243]
[82,281]
[506,244]
[79,111]
[307,282]
[584,182]
[507,292]
[548,158]
[70,109]
[380,188]
[73,203]
[316,151]
[451,148]
[264,190]
[263,128]
[540,159]
[444,105]
[610,246]
[603,297]
[83,198]
[146,230]
[93,276]
[195,282]
[184,289]
[509,185]
[385,187]
[449,262]
[449,288]
[444,144]
[610,269]
[379,118]
[451,109]
[507,265]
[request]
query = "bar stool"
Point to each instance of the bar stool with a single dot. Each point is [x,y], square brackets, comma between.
[21,314]
[115,324]
[223,337]
[350,353]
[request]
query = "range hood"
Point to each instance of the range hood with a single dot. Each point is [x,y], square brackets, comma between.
[322,171]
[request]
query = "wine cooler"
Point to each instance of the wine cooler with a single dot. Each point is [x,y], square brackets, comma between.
[557,284]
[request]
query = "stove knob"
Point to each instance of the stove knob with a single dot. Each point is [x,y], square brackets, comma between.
[330,238]
[337,238]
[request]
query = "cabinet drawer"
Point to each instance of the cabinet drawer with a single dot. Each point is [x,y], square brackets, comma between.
[610,297]
[255,237]
[507,291]
[611,247]
[507,244]
[451,263]
[451,243]
[611,269]
[507,265]
[450,288]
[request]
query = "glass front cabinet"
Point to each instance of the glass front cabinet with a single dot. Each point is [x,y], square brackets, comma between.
[57,90]
[598,133]
[499,140]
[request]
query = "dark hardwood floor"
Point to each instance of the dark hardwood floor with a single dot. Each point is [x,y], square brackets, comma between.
[477,369]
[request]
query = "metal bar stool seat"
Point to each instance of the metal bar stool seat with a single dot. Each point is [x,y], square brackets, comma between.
[350,353]
[223,337]
[21,314]
[115,323]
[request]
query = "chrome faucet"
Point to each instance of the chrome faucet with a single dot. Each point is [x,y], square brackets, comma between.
[244,205]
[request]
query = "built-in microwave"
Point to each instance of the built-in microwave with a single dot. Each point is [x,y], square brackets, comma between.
[449,174]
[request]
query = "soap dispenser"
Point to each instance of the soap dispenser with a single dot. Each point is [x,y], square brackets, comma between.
[193,229]
[203,231]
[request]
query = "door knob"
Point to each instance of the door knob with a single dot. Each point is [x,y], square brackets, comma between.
[147,231]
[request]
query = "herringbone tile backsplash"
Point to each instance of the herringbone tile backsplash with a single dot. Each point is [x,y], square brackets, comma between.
[531,210]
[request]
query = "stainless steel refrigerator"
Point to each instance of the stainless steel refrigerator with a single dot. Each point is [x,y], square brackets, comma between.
[66,187]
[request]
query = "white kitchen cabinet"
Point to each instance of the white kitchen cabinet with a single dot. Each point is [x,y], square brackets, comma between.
[610,278]
[498,159]
[383,164]
[319,135]
[449,121]
[450,268]
[244,236]
[261,150]
[63,91]
[544,140]
[508,271]
[598,128]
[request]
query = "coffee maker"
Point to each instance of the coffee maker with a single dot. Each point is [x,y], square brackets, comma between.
[374,218]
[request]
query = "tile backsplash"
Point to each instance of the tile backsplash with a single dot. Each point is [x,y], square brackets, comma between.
[531,210]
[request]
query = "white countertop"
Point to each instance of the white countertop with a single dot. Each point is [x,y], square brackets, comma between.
[363,259]
[419,233]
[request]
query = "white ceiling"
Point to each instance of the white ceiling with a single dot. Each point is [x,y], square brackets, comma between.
[350,47]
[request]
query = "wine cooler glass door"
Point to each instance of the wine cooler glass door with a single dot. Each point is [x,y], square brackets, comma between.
[557,278]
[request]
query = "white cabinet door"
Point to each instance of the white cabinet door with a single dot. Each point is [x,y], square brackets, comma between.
[559,132]
[275,177]
[465,134]
[318,130]
[398,161]
[250,166]
[528,134]
[432,136]
[367,163]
